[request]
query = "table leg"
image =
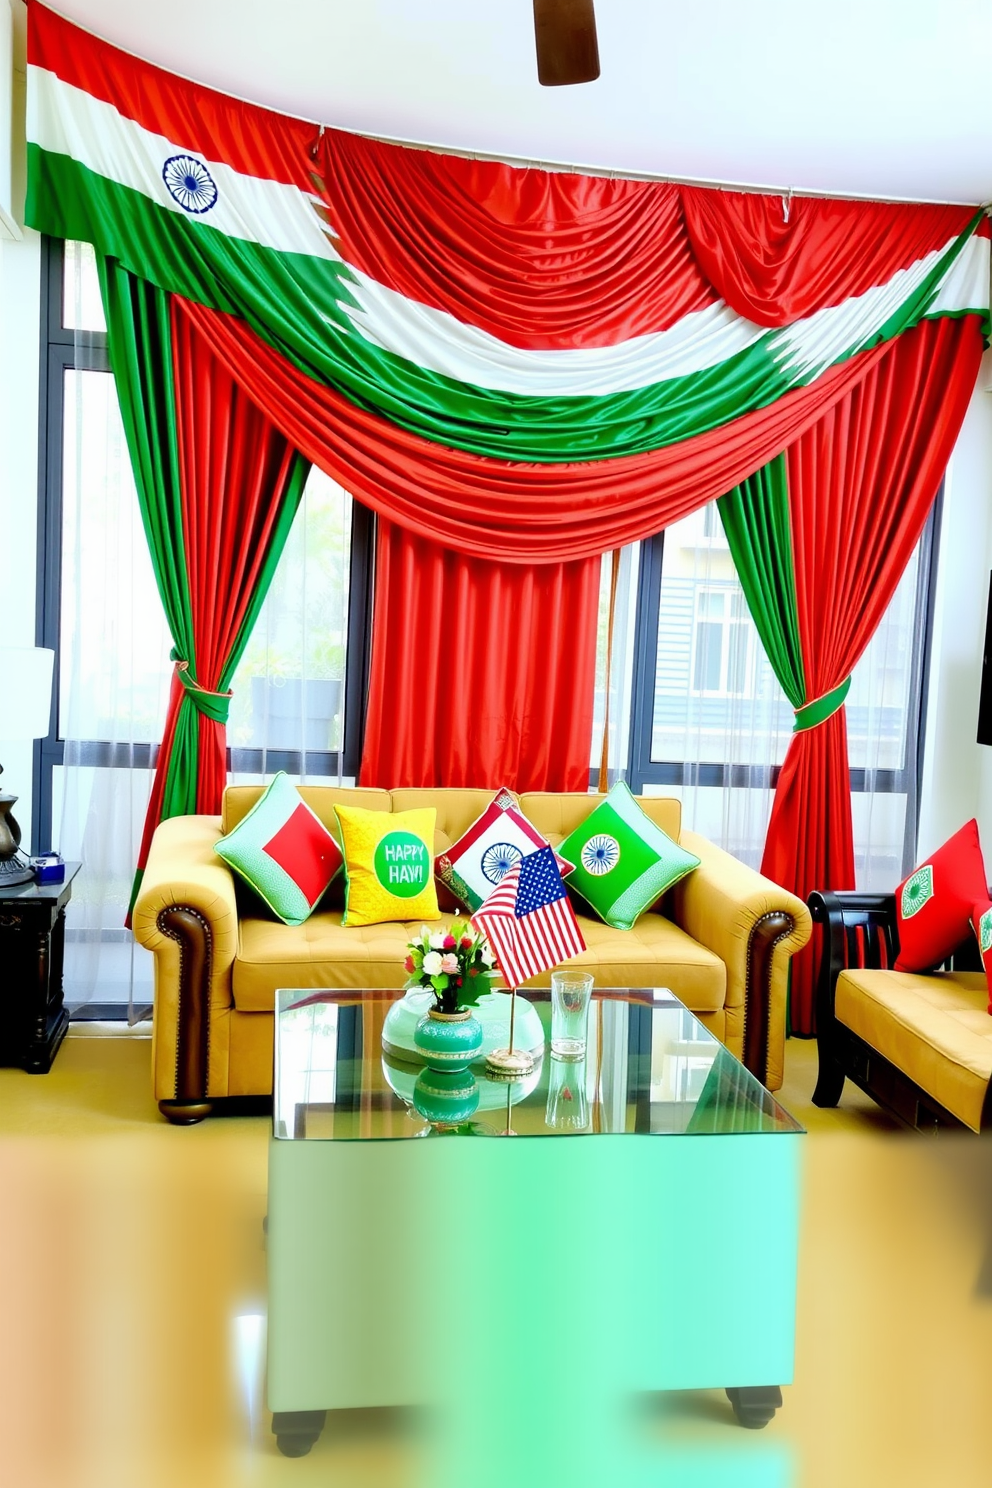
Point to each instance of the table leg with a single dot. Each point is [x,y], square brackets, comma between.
[296,1431]
[754,1405]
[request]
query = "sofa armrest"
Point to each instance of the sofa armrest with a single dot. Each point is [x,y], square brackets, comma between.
[186,914]
[755,927]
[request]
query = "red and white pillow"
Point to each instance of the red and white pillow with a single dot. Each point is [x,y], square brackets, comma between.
[473,866]
[934,905]
[284,851]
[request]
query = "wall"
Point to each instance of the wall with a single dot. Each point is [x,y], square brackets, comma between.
[957,782]
[19,331]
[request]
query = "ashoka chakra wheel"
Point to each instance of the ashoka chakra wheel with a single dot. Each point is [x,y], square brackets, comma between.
[498,860]
[189,183]
[600,854]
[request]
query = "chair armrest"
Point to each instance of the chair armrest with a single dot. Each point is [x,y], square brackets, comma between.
[186,914]
[755,927]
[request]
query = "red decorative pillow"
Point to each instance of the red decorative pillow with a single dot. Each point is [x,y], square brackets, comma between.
[981,923]
[934,904]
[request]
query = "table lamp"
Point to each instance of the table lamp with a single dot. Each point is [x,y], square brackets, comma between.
[26,673]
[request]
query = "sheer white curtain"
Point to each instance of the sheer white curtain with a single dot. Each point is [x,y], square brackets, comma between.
[113,689]
[115,669]
[289,689]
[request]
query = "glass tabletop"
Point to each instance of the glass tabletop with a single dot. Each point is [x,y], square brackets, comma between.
[342,1073]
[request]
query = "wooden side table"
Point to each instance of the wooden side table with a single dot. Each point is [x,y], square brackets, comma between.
[33,1019]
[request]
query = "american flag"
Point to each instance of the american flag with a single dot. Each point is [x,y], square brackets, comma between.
[528,920]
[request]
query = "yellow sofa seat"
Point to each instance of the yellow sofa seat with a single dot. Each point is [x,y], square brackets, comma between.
[935,1028]
[323,953]
[722,943]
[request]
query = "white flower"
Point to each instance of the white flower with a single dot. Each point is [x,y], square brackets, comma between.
[432,963]
[437,940]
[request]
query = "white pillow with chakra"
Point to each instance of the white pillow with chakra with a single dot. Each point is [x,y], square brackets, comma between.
[484,854]
[623,860]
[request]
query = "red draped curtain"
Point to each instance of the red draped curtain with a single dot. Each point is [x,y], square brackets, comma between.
[861,484]
[482,673]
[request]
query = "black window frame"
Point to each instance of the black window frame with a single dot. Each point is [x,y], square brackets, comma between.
[643,770]
[63,348]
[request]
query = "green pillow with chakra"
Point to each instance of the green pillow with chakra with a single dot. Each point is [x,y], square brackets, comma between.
[623,860]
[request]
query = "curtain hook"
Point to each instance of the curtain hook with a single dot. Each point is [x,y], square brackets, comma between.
[787,204]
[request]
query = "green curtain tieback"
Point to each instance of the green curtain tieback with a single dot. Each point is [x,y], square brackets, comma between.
[215,705]
[821,708]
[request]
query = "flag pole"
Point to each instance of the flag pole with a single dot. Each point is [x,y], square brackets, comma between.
[510,1063]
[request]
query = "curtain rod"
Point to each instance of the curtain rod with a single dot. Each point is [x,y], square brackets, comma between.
[524,162]
[609,173]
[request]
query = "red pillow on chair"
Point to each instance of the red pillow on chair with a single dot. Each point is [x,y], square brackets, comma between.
[934,904]
[981,923]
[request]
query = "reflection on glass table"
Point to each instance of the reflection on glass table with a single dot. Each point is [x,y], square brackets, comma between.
[419,1258]
[650,1067]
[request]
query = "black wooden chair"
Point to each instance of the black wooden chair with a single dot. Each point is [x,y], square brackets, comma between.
[860,933]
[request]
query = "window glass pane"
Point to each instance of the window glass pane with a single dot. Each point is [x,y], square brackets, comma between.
[878,702]
[115,644]
[289,686]
[707,687]
[82,307]
[709,657]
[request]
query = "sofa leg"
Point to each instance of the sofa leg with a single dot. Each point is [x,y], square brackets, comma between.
[184,1113]
[829,1080]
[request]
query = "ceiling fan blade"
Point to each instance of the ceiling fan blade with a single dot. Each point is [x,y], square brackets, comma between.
[567,48]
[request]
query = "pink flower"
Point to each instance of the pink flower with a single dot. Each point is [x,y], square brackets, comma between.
[408,964]
[449,964]
[449,943]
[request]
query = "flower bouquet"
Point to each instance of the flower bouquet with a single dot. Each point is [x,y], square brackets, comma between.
[455,964]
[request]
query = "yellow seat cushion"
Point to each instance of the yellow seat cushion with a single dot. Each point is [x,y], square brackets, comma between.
[320,953]
[655,953]
[935,1028]
[324,953]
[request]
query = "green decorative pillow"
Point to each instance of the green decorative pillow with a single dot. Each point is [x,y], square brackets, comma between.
[283,851]
[623,861]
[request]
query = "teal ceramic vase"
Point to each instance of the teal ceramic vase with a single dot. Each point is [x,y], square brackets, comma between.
[448,1041]
[446,1097]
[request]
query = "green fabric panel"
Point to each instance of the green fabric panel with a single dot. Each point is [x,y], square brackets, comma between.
[215,705]
[292,301]
[821,708]
[140,342]
[287,515]
[755,517]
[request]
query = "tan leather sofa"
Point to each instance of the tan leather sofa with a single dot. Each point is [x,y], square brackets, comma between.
[721,940]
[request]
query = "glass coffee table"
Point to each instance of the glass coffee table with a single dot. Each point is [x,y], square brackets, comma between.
[524,1259]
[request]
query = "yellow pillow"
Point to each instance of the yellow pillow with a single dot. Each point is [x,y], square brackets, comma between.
[388,864]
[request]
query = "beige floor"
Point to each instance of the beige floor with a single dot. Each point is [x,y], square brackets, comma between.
[132,1299]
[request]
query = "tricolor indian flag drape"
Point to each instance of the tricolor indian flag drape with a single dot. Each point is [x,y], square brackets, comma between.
[525,366]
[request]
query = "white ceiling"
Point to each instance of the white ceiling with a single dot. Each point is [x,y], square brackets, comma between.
[867,97]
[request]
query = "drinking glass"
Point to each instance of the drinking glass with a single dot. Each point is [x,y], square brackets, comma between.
[570,994]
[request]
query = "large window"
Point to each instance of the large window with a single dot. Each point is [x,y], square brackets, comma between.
[711,724]
[299,691]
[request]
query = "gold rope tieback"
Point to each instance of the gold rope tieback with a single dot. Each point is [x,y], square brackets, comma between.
[215,705]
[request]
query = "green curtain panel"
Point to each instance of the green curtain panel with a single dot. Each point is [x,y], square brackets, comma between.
[218,489]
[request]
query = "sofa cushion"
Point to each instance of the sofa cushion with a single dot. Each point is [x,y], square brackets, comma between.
[623,860]
[283,851]
[934,1028]
[388,864]
[934,904]
[323,953]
